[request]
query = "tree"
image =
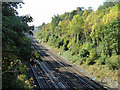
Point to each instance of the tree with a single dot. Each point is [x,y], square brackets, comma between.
[78,9]
[107,5]
[90,9]
[15,45]
[63,26]
[55,21]
[76,27]
[85,12]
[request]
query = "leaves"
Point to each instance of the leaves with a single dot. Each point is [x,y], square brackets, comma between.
[15,46]
[94,32]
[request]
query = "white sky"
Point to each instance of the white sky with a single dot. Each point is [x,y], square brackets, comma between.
[44,10]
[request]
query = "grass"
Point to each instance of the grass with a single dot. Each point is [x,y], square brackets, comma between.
[101,71]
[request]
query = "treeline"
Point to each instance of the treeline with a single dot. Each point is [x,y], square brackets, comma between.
[16,47]
[93,36]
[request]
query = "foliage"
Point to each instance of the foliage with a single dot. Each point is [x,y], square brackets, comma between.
[113,62]
[101,60]
[84,53]
[75,49]
[16,79]
[106,5]
[91,35]
[16,47]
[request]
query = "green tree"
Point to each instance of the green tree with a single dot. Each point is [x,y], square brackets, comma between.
[15,45]
[76,27]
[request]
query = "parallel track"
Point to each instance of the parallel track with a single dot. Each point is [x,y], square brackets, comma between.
[69,84]
[73,69]
[68,80]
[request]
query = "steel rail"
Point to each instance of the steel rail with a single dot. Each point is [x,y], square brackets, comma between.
[46,70]
[95,83]
[67,86]
[81,79]
[67,70]
[38,81]
[44,77]
[71,72]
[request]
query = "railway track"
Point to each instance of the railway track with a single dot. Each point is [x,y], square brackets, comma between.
[44,77]
[72,68]
[64,80]
[53,66]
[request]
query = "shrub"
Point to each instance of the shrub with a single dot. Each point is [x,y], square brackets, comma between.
[92,57]
[99,48]
[75,49]
[54,39]
[101,60]
[83,59]
[84,53]
[90,61]
[80,62]
[60,42]
[50,41]
[93,54]
[69,45]
[65,45]
[87,45]
[46,38]
[113,62]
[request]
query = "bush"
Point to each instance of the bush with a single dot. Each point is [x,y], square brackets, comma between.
[101,60]
[75,49]
[90,61]
[92,57]
[93,54]
[87,45]
[65,45]
[50,41]
[69,45]
[46,38]
[99,48]
[60,43]
[83,59]
[113,62]
[84,53]
[54,39]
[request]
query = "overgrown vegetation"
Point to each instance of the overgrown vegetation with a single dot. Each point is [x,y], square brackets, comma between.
[16,47]
[93,36]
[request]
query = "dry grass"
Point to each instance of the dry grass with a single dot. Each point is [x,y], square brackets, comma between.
[101,71]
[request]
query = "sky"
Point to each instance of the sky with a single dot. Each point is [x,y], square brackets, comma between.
[44,10]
